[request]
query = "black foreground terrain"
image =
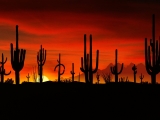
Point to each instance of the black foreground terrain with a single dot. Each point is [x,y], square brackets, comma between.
[78,100]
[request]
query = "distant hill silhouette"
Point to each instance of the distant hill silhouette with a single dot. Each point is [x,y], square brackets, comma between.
[127,71]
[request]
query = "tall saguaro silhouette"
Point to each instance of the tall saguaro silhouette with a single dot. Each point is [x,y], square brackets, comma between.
[86,62]
[2,70]
[72,72]
[114,69]
[59,68]
[41,58]
[134,68]
[152,54]
[17,58]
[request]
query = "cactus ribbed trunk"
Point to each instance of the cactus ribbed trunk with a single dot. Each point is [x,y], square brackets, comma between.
[40,68]
[90,66]
[41,58]
[17,77]
[59,68]
[72,72]
[17,58]
[116,66]
[152,55]
[87,68]
[114,69]
[86,58]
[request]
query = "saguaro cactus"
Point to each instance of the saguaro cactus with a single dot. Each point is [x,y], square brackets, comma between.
[2,70]
[28,77]
[114,69]
[72,72]
[87,67]
[59,68]
[41,58]
[152,54]
[134,68]
[141,77]
[17,58]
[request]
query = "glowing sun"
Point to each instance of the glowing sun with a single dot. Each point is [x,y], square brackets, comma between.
[44,79]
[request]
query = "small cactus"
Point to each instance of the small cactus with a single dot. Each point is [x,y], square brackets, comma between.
[141,77]
[72,72]
[134,68]
[28,77]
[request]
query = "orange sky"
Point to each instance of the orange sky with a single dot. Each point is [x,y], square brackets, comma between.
[60,27]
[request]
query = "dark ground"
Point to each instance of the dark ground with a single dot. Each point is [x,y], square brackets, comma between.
[80,101]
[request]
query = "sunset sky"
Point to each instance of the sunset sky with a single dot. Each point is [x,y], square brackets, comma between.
[60,27]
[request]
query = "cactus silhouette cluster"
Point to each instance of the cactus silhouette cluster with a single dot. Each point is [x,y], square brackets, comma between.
[86,62]
[114,69]
[41,58]
[152,55]
[72,72]
[17,58]
[152,62]
[2,70]
[59,68]
[134,68]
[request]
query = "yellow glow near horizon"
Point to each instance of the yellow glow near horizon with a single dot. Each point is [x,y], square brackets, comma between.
[44,79]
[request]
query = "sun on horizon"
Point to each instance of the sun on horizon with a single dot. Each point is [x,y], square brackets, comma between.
[45,78]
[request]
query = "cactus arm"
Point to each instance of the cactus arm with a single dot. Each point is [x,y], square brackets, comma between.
[22,55]
[12,56]
[63,69]
[5,61]
[112,70]
[147,58]
[121,69]
[81,68]
[55,67]
[7,73]
[95,70]
[44,57]
[59,66]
